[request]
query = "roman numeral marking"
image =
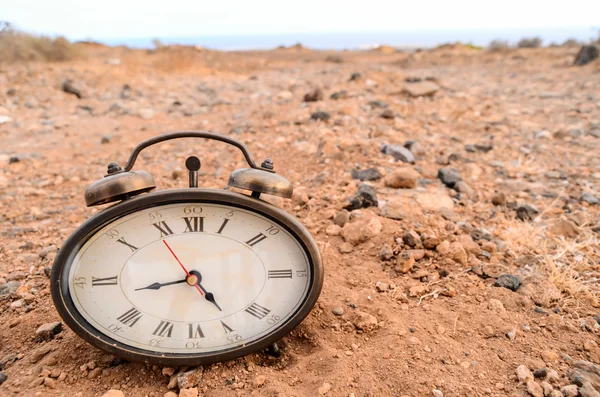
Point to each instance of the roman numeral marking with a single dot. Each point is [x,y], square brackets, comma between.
[122,241]
[165,328]
[256,239]
[280,273]
[104,281]
[130,317]
[194,224]
[226,327]
[195,333]
[164,229]
[257,311]
[225,221]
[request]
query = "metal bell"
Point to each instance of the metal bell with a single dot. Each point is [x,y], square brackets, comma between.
[259,181]
[118,186]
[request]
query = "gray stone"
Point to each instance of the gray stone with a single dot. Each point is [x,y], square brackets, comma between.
[70,87]
[421,88]
[508,281]
[314,95]
[48,331]
[378,104]
[364,198]
[449,176]
[399,153]
[590,199]
[3,377]
[386,253]
[338,311]
[339,95]
[370,174]
[9,287]
[320,115]
[540,373]
[186,380]
[464,188]
[355,77]
[341,218]
[586,54]
[526,212]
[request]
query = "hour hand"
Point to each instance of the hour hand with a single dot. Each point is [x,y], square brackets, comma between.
[156,286]
[210,297]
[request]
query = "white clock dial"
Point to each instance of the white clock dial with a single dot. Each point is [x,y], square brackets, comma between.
[189,278]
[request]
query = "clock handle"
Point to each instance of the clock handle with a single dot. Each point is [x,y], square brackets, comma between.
[266,166]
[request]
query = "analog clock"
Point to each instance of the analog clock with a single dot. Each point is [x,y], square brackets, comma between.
[187,276]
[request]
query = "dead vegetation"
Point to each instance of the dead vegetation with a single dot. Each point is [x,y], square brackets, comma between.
[16,46]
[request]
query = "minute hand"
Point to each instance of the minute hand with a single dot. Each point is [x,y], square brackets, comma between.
[156,286]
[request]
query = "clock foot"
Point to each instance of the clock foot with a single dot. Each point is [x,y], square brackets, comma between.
[273,350]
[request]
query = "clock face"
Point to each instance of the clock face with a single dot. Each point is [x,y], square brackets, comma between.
[189,278]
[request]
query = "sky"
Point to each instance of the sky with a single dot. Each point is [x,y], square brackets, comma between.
[113,19]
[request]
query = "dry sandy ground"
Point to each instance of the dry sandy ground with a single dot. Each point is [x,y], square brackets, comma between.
[419,267]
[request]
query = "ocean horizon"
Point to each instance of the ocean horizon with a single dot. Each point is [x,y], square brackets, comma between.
[365,40]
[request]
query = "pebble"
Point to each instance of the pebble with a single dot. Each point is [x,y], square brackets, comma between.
[464,188]
[496,306]
[170,394]
[512,334]
[364,321]
[508,281]
[3,377]
[146,113]
[590,199]
[339,95]
[5,119]
[570,391]
[333,230]
[386,253]
[192,392]
[168,371]
[356,76]
[365,197]
[540,373]
[190,378]
[341,218]
[47,331]
[549,356]
[114,393]
[411,238]
[524,374]
[70,87]
[421,88]
[405,178]
[399,153]
[324,389]
[586,54]
[449,176]
[338,311]
[387,114]
[370,174]
[362,229]
[314,95]
[320,115]
[527,212]
[260,380]
[437,393]
[534,388]
[547,388]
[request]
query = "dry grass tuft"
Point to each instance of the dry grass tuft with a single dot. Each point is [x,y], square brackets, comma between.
[17,46]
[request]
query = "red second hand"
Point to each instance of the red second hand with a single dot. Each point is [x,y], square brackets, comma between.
[181,264]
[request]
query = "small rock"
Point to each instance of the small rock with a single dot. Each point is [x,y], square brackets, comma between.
[320,115]
[260,380]
[378,104]
[337,311]
[386,253]
[146,113]
[5,119]
[387,114]
[586,54]
[170,394]
[333,230]
[508,281]
[550,356]
[370,174]
[547,387]
[405,262]
[341,218]
[534,388]
[48,331]
[114,393]
[464,188]
[543,134]
[524,374]
[3,377]
[365,197]
[405,178]
[499,199]
[355,77]
[449,176]
[570,391]
[38,354]
[468,244]
[540,373]
[70,87]
[590,345]
[346,248]
[324,389]
[364,321]
[437,393]
[339,95]
[314,95]
[590,199]
[411,238]
[512,334]
[192,392]
[527,212]
[94,373]
[189,379]
[496,306]
[421,88]
[399,153]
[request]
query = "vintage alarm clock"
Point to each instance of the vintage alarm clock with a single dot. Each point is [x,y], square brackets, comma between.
[187,276]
